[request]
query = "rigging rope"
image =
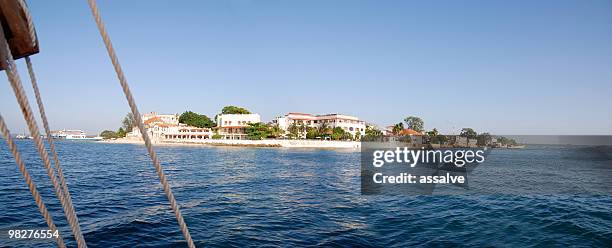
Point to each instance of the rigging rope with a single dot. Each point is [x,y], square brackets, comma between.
[8,63]
[29,182]
[43,116]
[137,117]
[28,17]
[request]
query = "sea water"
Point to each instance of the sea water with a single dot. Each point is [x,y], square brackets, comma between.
[232,196]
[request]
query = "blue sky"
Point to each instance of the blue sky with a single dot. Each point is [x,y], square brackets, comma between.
[506,67]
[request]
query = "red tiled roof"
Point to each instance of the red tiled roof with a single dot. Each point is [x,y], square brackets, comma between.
[154,119]
[409,131]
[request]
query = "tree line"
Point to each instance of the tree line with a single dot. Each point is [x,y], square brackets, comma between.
[126,126]
[434,136]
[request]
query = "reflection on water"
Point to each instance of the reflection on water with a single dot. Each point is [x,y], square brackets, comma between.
[232,196]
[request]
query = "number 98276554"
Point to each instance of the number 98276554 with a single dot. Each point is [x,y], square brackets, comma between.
[32,234]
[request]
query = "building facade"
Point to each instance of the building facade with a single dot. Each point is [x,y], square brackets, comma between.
[348,123]
[233,126]
[165,118]
[167,127]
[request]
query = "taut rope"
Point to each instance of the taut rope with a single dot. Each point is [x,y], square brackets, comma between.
[43,116]
[28,17]
[11,71]
[126,90]
[29,182]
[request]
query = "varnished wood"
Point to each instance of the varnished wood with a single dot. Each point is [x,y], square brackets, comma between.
[15,25]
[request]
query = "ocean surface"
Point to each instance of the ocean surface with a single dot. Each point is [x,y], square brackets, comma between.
[270,197]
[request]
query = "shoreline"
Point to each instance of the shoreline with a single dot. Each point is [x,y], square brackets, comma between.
[248,143]
[280,143]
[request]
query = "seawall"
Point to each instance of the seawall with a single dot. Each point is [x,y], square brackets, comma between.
[254,143]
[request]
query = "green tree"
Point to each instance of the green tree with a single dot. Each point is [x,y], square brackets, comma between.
[294,131]
[234,110]
[432,136]
[325,131]
[302,127]
[257,131]
[275,131]
[196,120]
[483,139]
[468,132]
[108,134]
[312,133]
[128,122]
[121,133]
[433,133]
[506,141]
[435,137]
[415,123]
[347,136]
[337,133]
[397,128]
[371,134]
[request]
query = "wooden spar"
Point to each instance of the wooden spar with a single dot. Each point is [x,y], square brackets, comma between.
[16,31]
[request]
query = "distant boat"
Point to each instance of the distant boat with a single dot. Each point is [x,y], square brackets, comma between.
[72,135]
[20,136]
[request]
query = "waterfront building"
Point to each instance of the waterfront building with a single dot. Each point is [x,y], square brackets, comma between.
[165,118]
[406,135]
[233,126]
[167,127]
[348,123]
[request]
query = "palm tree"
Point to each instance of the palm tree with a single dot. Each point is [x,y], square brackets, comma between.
[433,133]
[276,131]
[294,130]
[325,130]
[397,128]
[303,129]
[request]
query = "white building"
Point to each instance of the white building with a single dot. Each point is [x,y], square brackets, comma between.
[348,123]
[166,118]
[167,127]
[233,126]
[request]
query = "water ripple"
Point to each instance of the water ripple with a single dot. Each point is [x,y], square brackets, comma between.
[270,197]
